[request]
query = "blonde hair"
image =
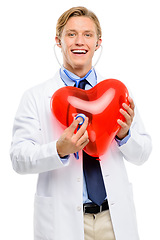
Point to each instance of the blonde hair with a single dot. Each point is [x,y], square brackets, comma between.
[76,12]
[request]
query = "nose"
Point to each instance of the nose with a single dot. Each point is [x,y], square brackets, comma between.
[79,40]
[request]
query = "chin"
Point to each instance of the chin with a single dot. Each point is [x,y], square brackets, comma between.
[82,64]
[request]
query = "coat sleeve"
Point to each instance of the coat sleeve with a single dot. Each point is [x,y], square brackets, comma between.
[28,153]
[138,147]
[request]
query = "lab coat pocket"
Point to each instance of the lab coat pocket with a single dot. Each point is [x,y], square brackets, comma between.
[44,218]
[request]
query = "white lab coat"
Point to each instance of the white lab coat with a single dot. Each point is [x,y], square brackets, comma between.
[58,213]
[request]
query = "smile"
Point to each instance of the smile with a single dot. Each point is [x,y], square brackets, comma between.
[79,51]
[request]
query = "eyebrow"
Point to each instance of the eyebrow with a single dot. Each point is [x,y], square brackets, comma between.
[73,30]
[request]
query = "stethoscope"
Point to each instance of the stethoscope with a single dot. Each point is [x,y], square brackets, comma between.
[77,80]
[82,116]
[67,73]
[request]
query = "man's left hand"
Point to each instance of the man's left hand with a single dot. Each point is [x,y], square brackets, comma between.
[128,113]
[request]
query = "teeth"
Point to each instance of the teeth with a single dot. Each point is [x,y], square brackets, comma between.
[79,51]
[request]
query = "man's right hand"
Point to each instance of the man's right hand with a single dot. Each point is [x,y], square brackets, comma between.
[70,142]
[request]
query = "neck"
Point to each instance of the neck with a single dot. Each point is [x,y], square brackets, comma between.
[80,72]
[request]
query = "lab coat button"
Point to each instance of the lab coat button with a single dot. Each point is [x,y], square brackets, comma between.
[107,175]
[78,208]
[112,203]
[78,179]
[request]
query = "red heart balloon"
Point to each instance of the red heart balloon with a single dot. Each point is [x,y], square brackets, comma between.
[101,104]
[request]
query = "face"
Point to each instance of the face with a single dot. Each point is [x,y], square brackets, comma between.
[78,44]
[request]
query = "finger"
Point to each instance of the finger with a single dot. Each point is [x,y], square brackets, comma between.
[84,138]
[82,130]
[121,123]
[132,106]
[71,129]
[129,110]
[84,144]
[126,115]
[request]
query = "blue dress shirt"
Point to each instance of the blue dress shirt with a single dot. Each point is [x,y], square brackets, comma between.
[92,80]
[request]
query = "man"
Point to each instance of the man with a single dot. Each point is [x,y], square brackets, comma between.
[64,208]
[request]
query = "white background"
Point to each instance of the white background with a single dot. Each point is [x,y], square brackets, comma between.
[131,42]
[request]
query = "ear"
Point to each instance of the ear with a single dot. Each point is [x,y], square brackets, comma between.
[58,41]
[98,44]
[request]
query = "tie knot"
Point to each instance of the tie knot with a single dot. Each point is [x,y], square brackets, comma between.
[82,84]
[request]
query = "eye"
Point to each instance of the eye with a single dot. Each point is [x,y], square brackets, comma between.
[71,34]
[88,35]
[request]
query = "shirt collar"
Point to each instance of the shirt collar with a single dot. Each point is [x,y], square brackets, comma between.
[92,77]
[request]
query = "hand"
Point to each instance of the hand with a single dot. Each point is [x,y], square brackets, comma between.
[128,114]
[71,142]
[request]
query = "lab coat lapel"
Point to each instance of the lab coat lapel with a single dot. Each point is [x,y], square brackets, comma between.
[55,83]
